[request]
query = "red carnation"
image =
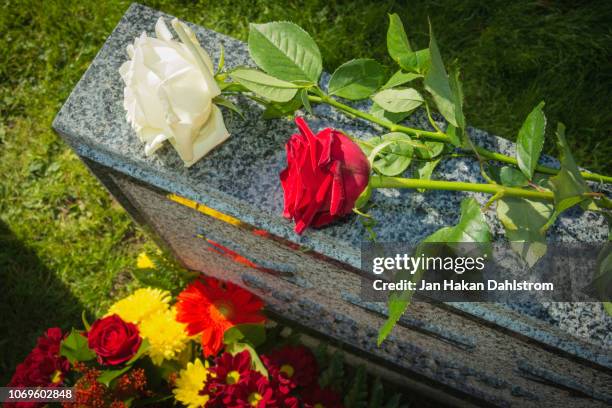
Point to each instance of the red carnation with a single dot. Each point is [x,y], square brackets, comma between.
[291,367]
[114,340]
[228,370]
[210,307]
[325,175]
[43,367]
[253,391]
[316,397]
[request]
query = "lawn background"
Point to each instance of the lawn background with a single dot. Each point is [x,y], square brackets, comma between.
[65,245]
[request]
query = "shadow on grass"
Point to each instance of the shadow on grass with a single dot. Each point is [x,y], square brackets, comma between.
[33,299]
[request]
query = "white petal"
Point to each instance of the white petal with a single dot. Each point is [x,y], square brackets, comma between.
[211,135]
[161,30]
[154,145]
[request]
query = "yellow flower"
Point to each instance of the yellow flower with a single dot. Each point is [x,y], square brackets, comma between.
[167,337]
[190,382]
[144,262]
[141,304]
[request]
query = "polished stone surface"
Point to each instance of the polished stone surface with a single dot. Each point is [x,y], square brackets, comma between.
[240,177]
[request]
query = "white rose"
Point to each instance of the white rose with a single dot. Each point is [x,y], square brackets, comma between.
[169,91]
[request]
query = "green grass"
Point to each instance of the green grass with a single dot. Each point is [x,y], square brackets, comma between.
[65,245]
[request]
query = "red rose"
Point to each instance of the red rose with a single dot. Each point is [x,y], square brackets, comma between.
[325,175]
[113,340]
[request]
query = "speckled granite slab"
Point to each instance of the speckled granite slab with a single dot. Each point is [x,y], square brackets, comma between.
[240,177]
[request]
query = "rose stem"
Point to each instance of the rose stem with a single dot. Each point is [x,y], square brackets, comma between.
[440,137]
[377,181]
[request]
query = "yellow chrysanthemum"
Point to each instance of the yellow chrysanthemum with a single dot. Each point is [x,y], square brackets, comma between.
[144,262]
[141,304]
[167,337]
[189,384]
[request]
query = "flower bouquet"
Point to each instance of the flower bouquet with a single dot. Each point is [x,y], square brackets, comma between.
[211,346]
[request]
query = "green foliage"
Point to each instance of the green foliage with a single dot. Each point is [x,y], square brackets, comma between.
[390,154]
[531,140]
[264,85]
[356,79]
[472,227]
[75,348]
[253,334]
[523,221]
[286,51]
[398,100]
[437,83]
[357,395]
[568,185]
[400,49]
[400,78]
[377,111]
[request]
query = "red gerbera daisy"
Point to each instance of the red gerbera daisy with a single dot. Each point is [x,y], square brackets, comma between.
[316,397]
[290,367]
[210,307]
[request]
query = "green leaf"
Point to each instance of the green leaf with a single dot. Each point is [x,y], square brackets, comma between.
[286,51]
[437,83]
[109,375]
[364,197]
[523,220]
[400,49]
[221,101]
[144,347]
[377,394]
[377,111]
[431,150]
[278,110]
[253,334]
[418,61]
[221,63]
[305,100]
[530,141]
[265,85]
[334,373]
[400,78]
[511,177]
[472,227]
[357,394]
[457,92]
[75,348]
[394,154]
[398,100]
[568,186]
[397,40]
[256,363]
[356,79]
[84,320]
[425,169]
[608,307]
[454,134]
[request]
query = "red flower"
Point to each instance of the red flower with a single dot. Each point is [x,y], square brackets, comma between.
[325,175]
[253,391]
[228,370]
[316,397]
[211,307]
[290,367]
[43,367]
[113,340]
